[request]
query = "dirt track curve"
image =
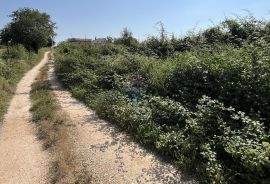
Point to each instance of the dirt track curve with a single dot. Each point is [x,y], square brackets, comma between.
[22,159]
[110,156]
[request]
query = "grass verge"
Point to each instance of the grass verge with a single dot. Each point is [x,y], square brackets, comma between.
[55,133]
[10,74]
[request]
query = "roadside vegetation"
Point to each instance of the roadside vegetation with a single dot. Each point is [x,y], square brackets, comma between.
[203,100]
[23,42]
[14,62]
[55,133]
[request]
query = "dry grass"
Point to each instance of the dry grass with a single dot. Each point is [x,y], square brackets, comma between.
[55,133]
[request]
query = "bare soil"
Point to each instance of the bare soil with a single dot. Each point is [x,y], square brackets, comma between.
[22,158]
[108,154]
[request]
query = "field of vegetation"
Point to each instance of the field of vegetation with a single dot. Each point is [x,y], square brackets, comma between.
[202,100]
[14,62]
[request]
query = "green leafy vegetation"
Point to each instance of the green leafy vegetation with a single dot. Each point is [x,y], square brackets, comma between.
[202,100]
[30,28]
[15,52]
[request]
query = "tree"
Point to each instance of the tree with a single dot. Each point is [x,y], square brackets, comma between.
[126,38]
[214,35]
[30,28]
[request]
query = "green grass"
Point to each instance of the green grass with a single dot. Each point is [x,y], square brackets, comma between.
[44,110]
[54,133]
[10,74]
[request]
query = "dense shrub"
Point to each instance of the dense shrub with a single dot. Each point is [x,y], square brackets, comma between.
[133,117]
[168,112]
[15,52]
[228,143]
[240,80]
[202,100]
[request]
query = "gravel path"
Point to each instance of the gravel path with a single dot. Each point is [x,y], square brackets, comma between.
[22,159]
[109,155]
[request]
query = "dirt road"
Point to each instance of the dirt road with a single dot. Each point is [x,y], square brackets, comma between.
[22,159]
[109,155]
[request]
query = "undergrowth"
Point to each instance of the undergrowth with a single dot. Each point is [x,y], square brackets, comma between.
[203,99]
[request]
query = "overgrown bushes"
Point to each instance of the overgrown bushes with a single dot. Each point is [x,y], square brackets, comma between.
[206,107]
[16,52]
[224,145]
[236,77]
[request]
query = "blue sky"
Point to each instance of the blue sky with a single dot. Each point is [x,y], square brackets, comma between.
[101,18]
